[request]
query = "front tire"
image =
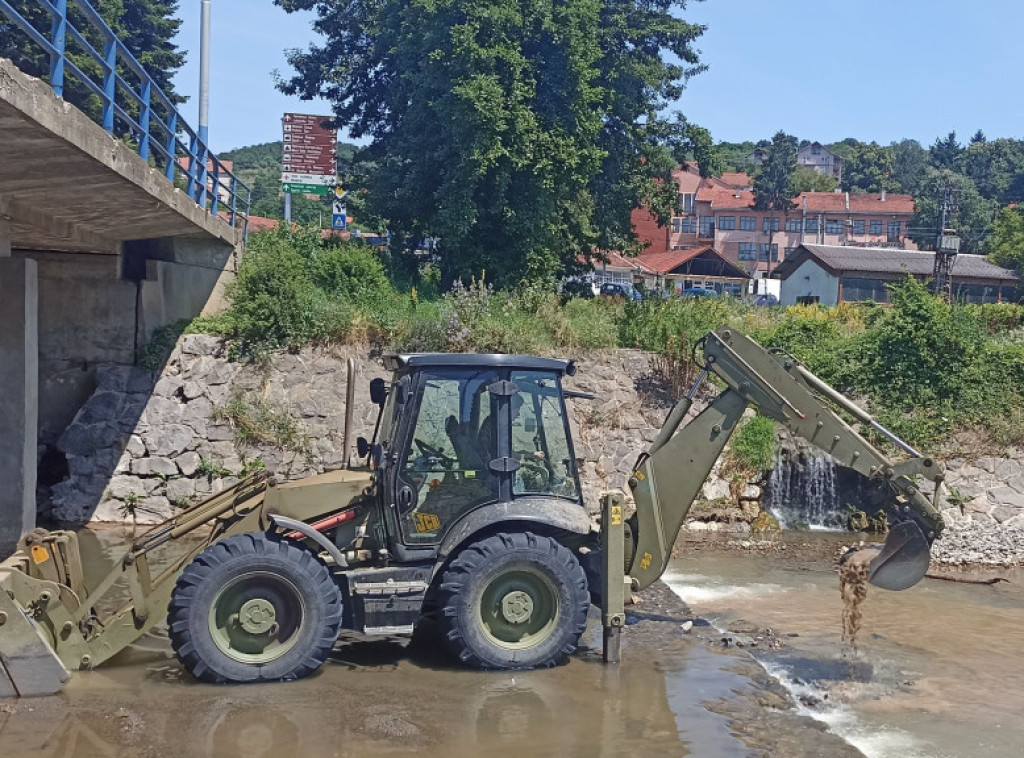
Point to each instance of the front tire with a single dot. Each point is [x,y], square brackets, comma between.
[254,608]
[513,601]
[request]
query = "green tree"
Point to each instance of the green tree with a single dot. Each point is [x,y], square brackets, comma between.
[809,180]
[971,221]
[869,169]
[1007,244]
[773,181]
[909,165]
[997,169]
[945,153]
[146,27]
[519,133]
[735,156]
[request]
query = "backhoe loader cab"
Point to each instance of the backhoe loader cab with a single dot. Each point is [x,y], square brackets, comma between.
[461,433]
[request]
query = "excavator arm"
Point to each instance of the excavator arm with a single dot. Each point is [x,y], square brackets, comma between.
[669,475]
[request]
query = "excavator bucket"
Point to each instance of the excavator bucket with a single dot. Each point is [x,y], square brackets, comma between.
[903,560]
[28,665]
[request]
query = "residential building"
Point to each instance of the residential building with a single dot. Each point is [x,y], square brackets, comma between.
[702,267]
[672,271]
[814,156]
[817,157]
[757,241]
[830,274]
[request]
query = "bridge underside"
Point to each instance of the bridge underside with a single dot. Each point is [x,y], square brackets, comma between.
[97,249]
[68,185]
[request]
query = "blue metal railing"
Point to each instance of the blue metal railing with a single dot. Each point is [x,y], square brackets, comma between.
[159,130]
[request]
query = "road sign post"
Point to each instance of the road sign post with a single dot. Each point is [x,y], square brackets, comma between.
[339,216]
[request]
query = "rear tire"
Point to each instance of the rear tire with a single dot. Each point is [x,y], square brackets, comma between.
[254,608]
[513,601]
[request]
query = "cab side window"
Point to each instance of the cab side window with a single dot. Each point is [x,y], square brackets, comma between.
[540,440]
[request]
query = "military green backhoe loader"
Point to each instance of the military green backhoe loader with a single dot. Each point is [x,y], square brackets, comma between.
[469,511]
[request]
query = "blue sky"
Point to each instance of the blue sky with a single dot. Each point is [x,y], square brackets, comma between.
[821,69]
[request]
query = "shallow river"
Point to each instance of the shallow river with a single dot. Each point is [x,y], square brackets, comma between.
[940,667]
[938,674]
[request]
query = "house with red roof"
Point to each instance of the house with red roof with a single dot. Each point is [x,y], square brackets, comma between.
[698,267]
[672,271]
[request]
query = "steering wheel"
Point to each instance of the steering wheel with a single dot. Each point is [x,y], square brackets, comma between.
[433,452]
[537,467]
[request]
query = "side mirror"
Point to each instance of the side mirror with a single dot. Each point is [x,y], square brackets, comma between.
[378,392]
[362,447]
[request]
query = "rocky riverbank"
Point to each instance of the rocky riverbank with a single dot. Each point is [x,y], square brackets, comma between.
[146,445]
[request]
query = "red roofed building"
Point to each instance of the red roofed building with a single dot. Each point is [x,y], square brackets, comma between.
[700,267]
[720,213]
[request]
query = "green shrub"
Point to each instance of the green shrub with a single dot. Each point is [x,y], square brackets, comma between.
[257,421]
[350,272]
[754,444]
[273,299]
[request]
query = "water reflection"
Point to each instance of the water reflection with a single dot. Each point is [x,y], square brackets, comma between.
[389,696]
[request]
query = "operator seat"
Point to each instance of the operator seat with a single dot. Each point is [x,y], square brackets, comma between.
[464,441]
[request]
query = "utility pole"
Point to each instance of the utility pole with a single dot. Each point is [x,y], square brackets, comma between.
[947,245]
[204,75]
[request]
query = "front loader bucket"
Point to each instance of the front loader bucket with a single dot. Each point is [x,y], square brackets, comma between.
[903,560]
[28,665]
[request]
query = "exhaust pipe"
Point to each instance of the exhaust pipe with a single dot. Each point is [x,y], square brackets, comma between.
[350,394]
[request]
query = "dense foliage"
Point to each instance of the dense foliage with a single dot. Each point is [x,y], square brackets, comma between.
[146,27]
[519,134]
[925,367]
[773,180]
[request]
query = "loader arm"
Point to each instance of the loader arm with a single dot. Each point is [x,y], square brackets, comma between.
[669,475]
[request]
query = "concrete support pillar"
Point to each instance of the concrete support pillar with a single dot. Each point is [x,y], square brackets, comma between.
[5,237]
[19,395]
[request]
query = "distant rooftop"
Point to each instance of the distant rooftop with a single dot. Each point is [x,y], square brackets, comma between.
[839,259]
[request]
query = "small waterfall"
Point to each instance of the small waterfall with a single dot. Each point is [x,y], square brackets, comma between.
[805,492]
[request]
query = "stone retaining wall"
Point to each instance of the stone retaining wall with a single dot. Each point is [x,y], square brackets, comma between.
[143,446]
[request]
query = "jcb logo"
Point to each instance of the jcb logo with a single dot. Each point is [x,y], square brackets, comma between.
[427,522]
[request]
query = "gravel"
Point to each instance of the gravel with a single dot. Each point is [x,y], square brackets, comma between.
[977,543]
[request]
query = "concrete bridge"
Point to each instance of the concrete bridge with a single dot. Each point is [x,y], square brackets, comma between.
[98,247]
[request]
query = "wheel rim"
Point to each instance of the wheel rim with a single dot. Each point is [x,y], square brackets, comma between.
[519,608]
[257,617]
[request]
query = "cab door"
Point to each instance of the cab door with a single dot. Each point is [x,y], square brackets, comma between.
[443,470]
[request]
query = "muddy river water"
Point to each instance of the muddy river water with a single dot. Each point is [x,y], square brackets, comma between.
[940,667]
[938,673]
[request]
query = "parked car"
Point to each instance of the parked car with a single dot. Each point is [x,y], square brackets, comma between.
[625,291]
[698,292]
[766,299]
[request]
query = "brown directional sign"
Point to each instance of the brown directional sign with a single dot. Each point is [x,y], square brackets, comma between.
[309,146]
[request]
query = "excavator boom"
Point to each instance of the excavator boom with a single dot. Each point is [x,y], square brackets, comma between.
[670,474]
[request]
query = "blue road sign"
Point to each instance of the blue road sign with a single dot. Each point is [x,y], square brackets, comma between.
[338,221]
